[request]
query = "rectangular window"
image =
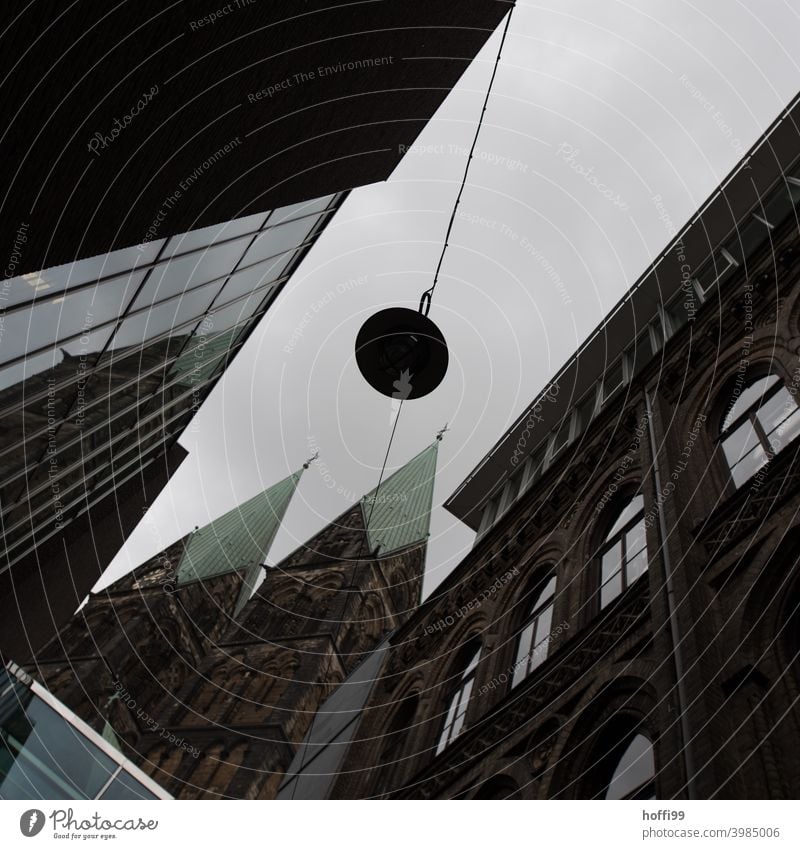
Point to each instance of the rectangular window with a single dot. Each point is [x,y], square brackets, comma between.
[613,380]
[714,271]
[561,435]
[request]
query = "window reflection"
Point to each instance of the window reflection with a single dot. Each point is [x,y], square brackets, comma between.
[459,701]
[534,638]
[759,424]
[623,556]
[635,772]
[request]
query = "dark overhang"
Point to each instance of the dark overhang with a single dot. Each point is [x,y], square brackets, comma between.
[711,225]
[128,117]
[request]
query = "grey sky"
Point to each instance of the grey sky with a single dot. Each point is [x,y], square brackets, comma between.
[597,108]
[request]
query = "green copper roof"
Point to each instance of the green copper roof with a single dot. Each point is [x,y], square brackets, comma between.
[239,540]
[401,515]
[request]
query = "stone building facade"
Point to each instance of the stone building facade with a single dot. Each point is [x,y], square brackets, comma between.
[626,625]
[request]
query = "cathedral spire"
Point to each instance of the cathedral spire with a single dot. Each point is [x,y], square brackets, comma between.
[240,539]
[398,513]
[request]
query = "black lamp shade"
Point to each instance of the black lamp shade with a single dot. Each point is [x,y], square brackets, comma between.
[401,353]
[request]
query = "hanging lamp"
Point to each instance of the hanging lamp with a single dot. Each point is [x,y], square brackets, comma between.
[399,351]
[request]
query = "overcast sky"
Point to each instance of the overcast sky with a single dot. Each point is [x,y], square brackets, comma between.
[598,106]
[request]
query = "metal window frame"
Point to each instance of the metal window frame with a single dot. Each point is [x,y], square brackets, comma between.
[72,719]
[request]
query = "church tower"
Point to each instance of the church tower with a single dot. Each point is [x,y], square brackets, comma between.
[134,643]
[245,678]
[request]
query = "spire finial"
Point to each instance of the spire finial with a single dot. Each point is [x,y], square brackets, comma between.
[311,459]
[442,432]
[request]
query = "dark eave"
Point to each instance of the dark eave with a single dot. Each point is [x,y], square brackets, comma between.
[183,88]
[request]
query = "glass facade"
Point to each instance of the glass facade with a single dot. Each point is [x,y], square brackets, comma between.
[46,752]
[104,361]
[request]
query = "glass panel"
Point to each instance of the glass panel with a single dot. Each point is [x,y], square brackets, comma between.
[636,768]
[548,591]
[226,317]
[543,631]
[776,409]
[215,233]
[641,351]
[634,506]
[678,313]
[749,465]
[305,207]
[612,380]
[561,436]
[472,663]
[51,281]
[751,396]
[656,335]
[636,566]
[179,275]
[749,237]
[713,272]
[740,442]
[62,317]
[126,787]
[537,466]
[611,562]
[277,240]
[794,192]
[523,653]
[634,540]
[246,281]
[609,591]
[201,357]
[43,756]
[585,412]
[448,724]
[786,431]
[170,314]
[461,712]
[778,206]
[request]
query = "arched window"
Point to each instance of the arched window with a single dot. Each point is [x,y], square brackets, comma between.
[623,555]
[762,420]
[635,771]
[534,637]
[459,700]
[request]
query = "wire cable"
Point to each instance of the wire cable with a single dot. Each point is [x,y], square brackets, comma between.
[427,295]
